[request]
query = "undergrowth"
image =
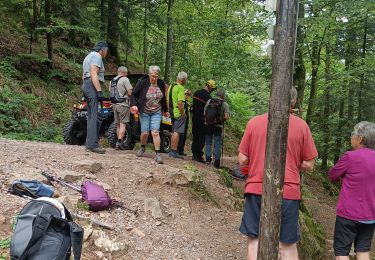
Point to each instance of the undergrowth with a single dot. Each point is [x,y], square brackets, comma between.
[198,189]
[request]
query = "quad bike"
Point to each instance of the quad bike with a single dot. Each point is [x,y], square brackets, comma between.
[75,130]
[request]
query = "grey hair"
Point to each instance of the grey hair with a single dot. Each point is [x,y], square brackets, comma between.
[182,75]
[293,94]
[367,131]
[122,69]
[154,69]
[220,93]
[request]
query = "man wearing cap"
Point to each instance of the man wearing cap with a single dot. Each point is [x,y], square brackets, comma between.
[200,99]
[93,76]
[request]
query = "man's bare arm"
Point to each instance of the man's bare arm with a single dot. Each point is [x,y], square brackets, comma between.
[242,159]
[307,166]
[94,70]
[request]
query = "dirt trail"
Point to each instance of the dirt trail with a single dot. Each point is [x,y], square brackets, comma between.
[190,228]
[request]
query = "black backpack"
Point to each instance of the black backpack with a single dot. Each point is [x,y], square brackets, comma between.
[42,233]
[114,95]
[214,112]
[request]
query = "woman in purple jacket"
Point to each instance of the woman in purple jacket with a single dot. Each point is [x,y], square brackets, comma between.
[355,220]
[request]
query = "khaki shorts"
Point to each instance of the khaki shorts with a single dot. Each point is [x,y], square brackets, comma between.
[121,114]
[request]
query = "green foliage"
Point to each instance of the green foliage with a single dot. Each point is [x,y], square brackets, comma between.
[82,205]
[313,243]
[4,243]
[226,177]
[198,189]
[7,69]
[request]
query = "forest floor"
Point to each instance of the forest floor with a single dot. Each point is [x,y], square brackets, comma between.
[185,226]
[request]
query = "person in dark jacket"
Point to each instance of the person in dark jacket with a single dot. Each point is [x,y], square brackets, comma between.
[149,100]
[200,99]
[182,139]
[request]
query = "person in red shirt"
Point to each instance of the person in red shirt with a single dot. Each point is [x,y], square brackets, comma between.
[301,153]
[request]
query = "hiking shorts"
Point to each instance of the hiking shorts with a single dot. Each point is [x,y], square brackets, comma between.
[348,231]
[121,114]
[178,125]
[150,121]
[289,231]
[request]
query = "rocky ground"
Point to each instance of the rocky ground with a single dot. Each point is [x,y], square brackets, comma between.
[171,223]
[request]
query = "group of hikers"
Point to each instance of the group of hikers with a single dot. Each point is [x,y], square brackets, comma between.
[355,220]
[150,99]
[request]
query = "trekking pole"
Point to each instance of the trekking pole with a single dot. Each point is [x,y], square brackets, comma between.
[222,147]
[61,181]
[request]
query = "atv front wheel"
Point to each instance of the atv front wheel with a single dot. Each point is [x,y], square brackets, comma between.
[112,136]
[165,142]
[73,133]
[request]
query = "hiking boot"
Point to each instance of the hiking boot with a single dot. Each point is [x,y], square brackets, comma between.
[208,160]
[95,150]
[158,158]
[118,145]
[182,153]
[198,159]
[237,174]
[175,155]
[141,151]
[217,164]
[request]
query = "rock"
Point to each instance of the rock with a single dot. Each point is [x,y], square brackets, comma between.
[90,176]
[180,178]
[103,242]
[106,186]
[70,176]
[2,219]
[99,254]
[153,205]
[66,201]
[87,234]
[89,166]
[137,232]
[158,223]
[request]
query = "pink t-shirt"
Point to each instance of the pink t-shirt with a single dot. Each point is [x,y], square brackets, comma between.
[300,148]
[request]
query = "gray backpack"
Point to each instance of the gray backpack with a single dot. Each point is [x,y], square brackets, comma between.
[43,231]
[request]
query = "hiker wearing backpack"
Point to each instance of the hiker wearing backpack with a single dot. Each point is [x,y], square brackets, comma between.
[93,77]
[200,99]
[216,112]
[120,91]
[176,98]
[182,138]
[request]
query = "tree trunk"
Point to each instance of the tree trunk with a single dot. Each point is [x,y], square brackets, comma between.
[145,37]
[102,19]
[299,77]
[277,133]
[74,20]
[48,10]
[315,60]
[169,53]
[340,125]
[33,25]
[127,13]
[326,110]
[113,29]
[361,88]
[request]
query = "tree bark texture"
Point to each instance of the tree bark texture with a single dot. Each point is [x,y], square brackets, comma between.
[299,77]
[169,52]
[47,13]
[326,110]
[145,37]
[315,60]
[33,25]
[103,19]
[362,87]
[277,132]
[113,30]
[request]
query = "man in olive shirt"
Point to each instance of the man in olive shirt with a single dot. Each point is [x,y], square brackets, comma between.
[176,98]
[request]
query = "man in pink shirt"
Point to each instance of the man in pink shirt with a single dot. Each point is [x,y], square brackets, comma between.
[301,153]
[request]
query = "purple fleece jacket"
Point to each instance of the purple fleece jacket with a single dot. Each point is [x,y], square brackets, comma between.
[357,196]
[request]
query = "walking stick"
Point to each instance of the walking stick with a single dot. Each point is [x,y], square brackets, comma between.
[222,146]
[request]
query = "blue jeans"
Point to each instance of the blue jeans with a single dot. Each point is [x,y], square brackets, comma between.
[215,133]
[150,121]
